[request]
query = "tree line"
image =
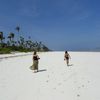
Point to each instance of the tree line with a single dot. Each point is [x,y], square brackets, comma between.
[9,44]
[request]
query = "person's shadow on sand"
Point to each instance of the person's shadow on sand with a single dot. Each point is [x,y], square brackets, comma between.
[70,65]
[42,70]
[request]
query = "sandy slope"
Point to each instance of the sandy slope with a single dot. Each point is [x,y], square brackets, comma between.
[55,81]
[4,56]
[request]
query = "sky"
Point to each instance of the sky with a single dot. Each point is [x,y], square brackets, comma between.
[59,24]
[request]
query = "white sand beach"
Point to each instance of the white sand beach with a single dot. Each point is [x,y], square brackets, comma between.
[54,81]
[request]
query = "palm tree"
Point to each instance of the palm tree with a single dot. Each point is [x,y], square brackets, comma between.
[1,37]
[39,46]
[2,44]
[12,36]
[22,42]
[9,37]
[45,48]
[18,29]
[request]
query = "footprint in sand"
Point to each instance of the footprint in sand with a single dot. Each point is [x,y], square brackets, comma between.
[48,76]
[79,87]
[78,95]
[47,81]
[62,73]
[62,91]
[59,84]
[82,85]
[54,88]
[75,81]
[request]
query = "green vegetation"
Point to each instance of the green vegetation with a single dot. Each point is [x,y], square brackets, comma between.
[20,45]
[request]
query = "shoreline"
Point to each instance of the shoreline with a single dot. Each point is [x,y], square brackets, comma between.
[19,54]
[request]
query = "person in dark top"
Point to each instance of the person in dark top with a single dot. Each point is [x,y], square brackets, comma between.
[35,62]
[66,57]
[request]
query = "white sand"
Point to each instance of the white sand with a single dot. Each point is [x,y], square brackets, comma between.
[2,56]
[55,81]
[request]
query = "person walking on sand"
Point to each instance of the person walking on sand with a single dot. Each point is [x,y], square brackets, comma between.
[35,62]
[66,57]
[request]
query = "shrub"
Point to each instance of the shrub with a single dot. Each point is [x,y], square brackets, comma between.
[5,50]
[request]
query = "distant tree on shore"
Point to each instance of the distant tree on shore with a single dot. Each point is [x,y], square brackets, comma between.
[21,44]
[1,36]
[18,29]
[1,39]
[11,38]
